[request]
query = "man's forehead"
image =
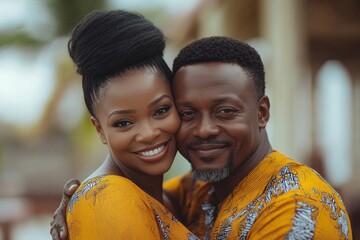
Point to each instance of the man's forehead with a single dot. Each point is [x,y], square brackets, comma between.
[212,73]
[208,69]
[214,81]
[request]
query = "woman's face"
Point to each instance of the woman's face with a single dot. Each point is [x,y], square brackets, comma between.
[137,119]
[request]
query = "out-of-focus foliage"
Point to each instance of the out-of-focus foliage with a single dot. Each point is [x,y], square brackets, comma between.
[18,38]
[68,13]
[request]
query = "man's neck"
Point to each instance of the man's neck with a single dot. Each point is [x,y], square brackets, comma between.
[224,187]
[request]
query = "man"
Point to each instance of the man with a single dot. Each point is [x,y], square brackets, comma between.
[240,188]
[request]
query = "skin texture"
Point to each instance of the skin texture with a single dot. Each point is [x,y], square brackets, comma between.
[136,115]
[222,126]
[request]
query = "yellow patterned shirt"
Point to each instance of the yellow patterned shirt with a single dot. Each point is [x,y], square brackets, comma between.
[278,199]
[113,207]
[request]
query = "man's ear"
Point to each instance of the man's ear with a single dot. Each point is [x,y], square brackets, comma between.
[263,107]
[99,129]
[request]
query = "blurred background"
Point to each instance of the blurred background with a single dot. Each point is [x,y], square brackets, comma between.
[311,52]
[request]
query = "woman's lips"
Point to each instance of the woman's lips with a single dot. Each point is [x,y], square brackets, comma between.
[154,154]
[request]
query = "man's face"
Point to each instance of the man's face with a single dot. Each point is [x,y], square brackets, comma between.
[219,113]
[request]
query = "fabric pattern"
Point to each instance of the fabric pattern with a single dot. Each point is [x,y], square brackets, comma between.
[278,199]
[113,207]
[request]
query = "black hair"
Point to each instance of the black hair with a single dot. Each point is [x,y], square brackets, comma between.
[227,50]
[109,43]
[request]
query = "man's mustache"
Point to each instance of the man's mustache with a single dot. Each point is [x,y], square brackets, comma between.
[210,141]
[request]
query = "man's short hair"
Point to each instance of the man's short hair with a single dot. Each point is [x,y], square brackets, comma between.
[227,50]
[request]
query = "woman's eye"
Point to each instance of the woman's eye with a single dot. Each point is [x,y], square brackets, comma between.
[123,123]
[162,110]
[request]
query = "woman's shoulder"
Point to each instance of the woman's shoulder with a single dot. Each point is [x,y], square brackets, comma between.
[108,206]
[110,187]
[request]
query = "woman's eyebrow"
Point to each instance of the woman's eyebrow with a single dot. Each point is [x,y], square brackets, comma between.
[158,100]
[127,111]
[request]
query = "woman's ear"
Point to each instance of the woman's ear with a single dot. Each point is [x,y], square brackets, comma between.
[99,129]
[263,106]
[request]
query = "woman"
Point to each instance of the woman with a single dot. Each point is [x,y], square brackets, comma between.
[127,92]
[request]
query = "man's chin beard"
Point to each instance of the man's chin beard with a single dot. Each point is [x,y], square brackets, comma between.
[211,175]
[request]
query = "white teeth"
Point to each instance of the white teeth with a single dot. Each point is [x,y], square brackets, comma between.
[152,152]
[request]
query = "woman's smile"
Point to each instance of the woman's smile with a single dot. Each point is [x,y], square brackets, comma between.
[153,154]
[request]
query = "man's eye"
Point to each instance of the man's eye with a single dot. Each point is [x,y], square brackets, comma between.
[187,115]
[226,112]
[162,110]
[123,123]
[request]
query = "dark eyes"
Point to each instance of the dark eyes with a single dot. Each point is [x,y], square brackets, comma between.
[123,123]
[226,112]
[187,115]
[223,113]
[160,113]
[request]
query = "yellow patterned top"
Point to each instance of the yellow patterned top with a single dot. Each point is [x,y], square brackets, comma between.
[278,199]
[113,207]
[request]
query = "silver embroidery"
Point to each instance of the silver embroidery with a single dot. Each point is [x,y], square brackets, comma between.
[303,222]
[86,188]
[164,229]
[282,183]
[250,219]
[209,210]
[342,221]
[336,213]
[192,237]
[225,227]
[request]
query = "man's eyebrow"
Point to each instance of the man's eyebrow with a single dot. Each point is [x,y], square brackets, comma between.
[216,101]
[221,100]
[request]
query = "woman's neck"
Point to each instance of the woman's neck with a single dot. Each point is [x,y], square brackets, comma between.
[152,185]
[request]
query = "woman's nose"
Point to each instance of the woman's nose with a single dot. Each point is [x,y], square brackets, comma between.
[148,132]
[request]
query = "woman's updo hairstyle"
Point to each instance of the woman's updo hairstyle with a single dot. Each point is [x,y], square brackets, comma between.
[108,43]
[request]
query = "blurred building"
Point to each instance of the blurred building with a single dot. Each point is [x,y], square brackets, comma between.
[311,51]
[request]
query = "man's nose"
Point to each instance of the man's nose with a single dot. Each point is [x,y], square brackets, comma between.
[206,128]
[148,132]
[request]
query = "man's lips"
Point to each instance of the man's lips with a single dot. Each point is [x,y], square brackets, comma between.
[208,146]
[208,149]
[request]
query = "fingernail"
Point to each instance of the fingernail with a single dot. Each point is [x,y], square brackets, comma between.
[72,186]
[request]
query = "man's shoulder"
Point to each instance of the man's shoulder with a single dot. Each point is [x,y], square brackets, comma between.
[290,174]
[298,183]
